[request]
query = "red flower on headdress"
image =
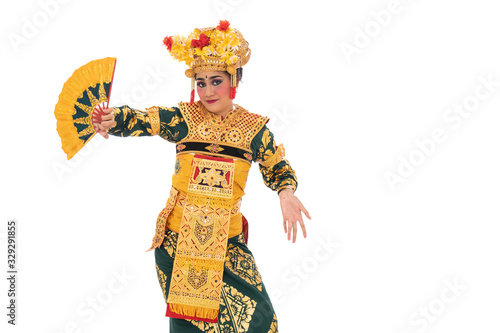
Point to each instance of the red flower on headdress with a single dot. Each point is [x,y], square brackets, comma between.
[202,42]
[168,42]
[223,25]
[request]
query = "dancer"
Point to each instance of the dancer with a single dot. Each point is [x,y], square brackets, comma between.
[208,275]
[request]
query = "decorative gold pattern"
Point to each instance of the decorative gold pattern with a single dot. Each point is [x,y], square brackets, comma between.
[196,283]
[163,281]
[274,159]
[226,50]
[272,176]
[161,221]
[214,148]
[78,100]
[212,177]
[236,311]
[154,117]
[274,325]
[170,243]
[236,130]
[243,265]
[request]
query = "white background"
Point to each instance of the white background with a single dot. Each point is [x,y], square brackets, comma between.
[377,258]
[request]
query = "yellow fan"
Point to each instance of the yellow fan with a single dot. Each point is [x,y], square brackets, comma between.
[81,103]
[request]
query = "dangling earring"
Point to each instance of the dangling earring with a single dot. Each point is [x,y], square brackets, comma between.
[232,94]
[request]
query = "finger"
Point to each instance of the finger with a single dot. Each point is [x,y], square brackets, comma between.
[103,131]
[294,223]
[108,123]
[303,227]
[108,117]
[302,208]
[284,225]
[109,110]
[289,230]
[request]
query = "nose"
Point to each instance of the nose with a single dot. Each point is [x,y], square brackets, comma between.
[209,91]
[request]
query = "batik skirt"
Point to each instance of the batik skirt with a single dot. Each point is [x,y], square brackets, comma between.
[245,306]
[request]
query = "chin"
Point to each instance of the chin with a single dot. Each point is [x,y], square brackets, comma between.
[209,107]
[212,107]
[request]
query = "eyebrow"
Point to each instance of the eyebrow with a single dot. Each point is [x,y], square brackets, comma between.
[212,77]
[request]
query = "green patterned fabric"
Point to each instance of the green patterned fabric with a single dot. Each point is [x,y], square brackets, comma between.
[245,306]
[132,122]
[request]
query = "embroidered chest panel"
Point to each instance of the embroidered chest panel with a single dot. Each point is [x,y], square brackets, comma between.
[208,133]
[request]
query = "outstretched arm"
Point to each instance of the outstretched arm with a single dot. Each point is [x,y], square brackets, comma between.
[123,121]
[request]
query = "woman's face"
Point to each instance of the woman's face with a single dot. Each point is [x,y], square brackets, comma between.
[214,88]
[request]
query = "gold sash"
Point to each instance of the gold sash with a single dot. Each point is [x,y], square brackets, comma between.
[195,288]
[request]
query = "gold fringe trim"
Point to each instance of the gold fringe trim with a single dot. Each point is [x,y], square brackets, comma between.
[194,311]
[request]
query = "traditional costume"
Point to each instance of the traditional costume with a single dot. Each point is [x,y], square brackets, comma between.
[209,278]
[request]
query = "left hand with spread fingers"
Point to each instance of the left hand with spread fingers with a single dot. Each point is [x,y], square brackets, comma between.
[292,210]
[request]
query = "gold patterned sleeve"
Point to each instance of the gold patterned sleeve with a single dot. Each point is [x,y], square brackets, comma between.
[275,169]
[165,122]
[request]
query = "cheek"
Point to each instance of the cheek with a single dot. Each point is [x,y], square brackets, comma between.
[223,89]
[200,92]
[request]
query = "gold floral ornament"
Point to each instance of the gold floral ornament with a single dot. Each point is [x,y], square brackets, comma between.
[210,49]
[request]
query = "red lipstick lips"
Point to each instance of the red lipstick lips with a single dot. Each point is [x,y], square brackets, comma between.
[211,101]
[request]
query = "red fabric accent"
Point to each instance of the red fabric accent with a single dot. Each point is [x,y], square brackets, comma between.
[228,177]
[192,97]
[179,316]
[196,173]
[233,93]
[245,228]
[213,158]
[111,85]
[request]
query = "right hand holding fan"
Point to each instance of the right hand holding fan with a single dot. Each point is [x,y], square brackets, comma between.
[108,121]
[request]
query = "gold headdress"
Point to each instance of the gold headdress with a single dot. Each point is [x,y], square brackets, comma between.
[210,49]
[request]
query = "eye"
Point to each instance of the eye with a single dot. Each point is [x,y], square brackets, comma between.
[200,84]
[216,82]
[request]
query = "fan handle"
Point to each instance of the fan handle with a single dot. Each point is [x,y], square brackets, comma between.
[97,115]
[99,109]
